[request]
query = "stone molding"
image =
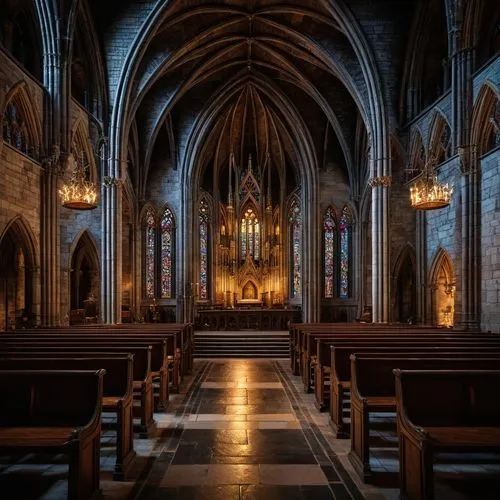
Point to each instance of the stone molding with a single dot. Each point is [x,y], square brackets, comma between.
[383,180]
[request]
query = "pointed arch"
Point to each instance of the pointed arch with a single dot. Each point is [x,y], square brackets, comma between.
[295,246]
[440,138]
[21,127]
[85,272]
[443,283]
[485,131]
[204,227]
[330,237]
[18,271]
[81,149]
[417,155]
[345,252]
[404,285]
[149,224]
[167,228]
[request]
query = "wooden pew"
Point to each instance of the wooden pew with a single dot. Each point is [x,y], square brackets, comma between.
[117,393]
[341,372]
[460,412]
[373,390]
[161,347]
[56,412]
[311,351]
[322,360]
[142,370]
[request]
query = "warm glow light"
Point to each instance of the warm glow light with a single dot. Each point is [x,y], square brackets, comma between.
[428,194]
[79,193]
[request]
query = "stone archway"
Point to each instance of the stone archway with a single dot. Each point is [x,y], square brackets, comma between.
[443,284]
[17,308]
[405,296]
[84,282]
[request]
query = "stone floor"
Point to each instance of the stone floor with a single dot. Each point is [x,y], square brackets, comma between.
[243,430]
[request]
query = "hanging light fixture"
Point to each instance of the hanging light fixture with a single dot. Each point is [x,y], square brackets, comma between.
[426,193]
[79,193]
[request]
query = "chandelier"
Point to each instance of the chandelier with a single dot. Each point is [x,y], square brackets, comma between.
[426,193]
[79,193]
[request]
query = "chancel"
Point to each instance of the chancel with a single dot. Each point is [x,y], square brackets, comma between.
[228,204]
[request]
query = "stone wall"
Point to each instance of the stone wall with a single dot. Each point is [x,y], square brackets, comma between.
[490,241]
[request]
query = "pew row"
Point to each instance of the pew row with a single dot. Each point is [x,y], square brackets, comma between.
[373,390]
[467,419]
[55,412]
[117,394]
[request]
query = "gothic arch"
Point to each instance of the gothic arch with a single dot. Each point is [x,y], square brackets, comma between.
[439,138]
[404,285]
[85,274]
[484,126]
[20,98]
[18,275]
[442,281]
[81,145]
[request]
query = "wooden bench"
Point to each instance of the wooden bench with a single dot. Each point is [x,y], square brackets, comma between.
[162,353]
[142,384]
[373,390]
[341,372]
[117,393]
[56,412]
[460,412]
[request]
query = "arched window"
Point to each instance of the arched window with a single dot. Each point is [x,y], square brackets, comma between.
[495,129]
[159,262]
[15,129]
[329,243]
[345,230]
[150,247]
[204,228]
[295,225]
[250,234]
[167,229]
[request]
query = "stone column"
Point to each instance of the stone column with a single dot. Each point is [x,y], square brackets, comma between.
[461,87]
[421,268]
[381,289]
[111,250]
[50,244]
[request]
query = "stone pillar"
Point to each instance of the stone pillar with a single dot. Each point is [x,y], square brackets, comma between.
[111,250]
[380,248]
[422,316]
[471,245]
[50,244]
[462,103]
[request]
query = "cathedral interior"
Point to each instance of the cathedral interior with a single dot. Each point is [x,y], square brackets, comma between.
[175,172]
[249,155]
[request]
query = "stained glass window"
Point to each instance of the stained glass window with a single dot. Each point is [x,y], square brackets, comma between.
[14,128]
[495,120]
[295,220]
[150,242]
[204,218]
[345,229]
[167,250]
[329,237]
[250,234]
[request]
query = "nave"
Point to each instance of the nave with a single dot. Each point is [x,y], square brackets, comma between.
[241,430]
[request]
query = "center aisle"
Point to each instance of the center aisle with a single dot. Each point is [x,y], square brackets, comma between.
[241,432]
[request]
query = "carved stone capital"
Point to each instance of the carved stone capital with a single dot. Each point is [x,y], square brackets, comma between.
[109,181]
[383,180]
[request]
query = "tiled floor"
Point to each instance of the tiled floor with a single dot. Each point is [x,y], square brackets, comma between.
[244,430]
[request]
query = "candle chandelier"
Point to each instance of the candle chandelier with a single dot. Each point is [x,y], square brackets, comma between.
[79,193]
[426,193]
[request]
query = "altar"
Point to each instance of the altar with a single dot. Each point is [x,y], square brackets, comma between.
[246,319]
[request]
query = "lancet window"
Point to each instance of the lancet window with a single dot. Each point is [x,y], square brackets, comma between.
[295,227]
[204,230]
[329,243]
[345,229]
[250,234]
[159,239]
